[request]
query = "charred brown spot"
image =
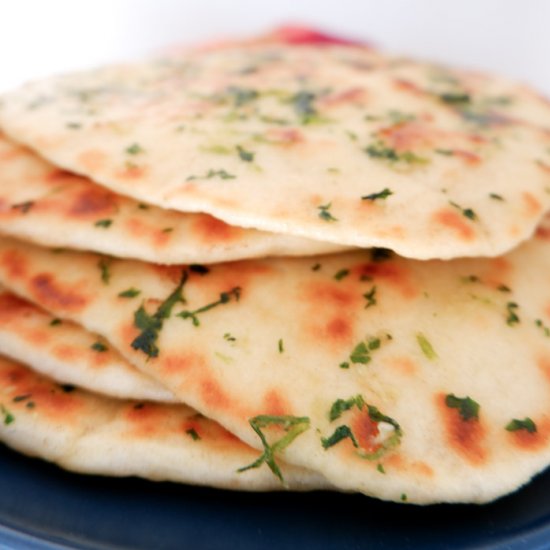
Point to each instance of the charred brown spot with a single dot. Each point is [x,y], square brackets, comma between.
[140,229]
[54,295]
[532,441]
[59,175]
[15,264]
[210,230]
[339,329]
[131,173]
[465,437]
[92,202]
[92,159]
[12,306]
[212,394]
[391,273]
[456,222]
[147,419]
[544,366]
[330,294]
[532,204]
[175,364]
[67,353]
[403,365]
[275,404]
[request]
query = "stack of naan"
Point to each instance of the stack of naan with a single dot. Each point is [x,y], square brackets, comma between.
[282,263]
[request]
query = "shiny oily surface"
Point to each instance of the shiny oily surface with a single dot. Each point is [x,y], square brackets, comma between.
[43,507]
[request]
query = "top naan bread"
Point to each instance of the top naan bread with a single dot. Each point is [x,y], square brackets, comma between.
[336,143]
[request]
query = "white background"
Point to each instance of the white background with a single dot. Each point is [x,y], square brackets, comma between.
[38,37]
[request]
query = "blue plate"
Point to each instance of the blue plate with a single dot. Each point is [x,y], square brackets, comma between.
[42,506]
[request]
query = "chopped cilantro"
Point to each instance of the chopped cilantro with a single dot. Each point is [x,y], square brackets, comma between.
[316,267]
[459,98]
[466,212]
[543,327]
[168,230]
[384,194]
[503,288]
[151,325]
[244,155]
[281,345]
[23,207]
[19,398]
[445,152]
[526,424]
[129,293]
[370,296]
[222,174]
[225,297]
[293,426]
[192,433]
[324,213]
[379,151]
[134,149]
[380,468]
[227,336]
[426,346]
[106,223]
[73,125]
[404,497]
[341,274]
[512,319]
[241,96]
[303,106]
[104,267]
[467,407]
[496,197]
[361,353]
[344,365]
[342,405]
[55,322]
[8,417]
[340,433]
[99,346]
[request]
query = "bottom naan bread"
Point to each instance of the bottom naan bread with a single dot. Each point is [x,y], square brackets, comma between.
[401,379]
[93,434]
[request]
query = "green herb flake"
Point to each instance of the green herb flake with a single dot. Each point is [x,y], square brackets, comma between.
[241,96]
[222,174]
[303,106]
[8,416]
[316,267]
[459,98]
[444,152]
[384,194]
[104,268]
[225,298]
[344,365]
[99,347]
[512,318]
[379,151]
[467,407]
[229,338]
[404,497]
[20,398]
[543,327]
[496,197]
[134,149]
[526,424]
[106,223]
[23,207]
[370,297]
[293,426]
[281,346]
[55,322]
[151,325]
[341,274]
[426,347]
[466,212]
[342,405]
[192,433]
[129,293]
[324,213]
[340,433]
[244,155]
[380,468]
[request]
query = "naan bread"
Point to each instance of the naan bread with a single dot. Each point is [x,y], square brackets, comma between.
[92,434]
[424,381]
[41,203]
[337,144]
[70,355]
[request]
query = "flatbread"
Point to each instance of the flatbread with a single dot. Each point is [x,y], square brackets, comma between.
[92,434]
[41,203]
[67,353]
[439,370]
[337,144]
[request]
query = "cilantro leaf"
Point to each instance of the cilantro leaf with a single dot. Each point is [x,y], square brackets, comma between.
[467,407]
[225,297]
[526,424]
